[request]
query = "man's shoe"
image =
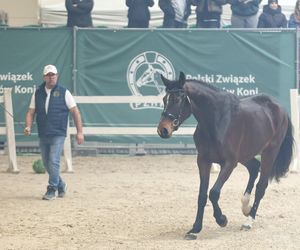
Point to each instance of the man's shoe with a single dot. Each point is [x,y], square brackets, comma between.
[49,195]
[62,191]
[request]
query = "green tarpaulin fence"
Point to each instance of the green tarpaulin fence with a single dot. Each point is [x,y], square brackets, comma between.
[106,62]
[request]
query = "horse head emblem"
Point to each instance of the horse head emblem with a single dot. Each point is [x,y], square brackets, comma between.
[143,76]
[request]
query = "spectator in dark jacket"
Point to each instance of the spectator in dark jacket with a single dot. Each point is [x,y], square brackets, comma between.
[79,13]
[244,13]
[272,17]
[209,13]
[138,13]
[176,12]
[294,21]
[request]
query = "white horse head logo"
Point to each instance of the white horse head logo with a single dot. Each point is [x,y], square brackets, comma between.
[143,76]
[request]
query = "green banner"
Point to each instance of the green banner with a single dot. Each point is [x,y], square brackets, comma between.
[124,62]
[129,62]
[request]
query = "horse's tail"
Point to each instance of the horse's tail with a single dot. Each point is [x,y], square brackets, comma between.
[285,154]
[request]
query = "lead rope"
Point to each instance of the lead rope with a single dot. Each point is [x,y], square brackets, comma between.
[6,110]
[11,115]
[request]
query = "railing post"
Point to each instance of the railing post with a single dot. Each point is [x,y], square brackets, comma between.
[10,132]
[68,152]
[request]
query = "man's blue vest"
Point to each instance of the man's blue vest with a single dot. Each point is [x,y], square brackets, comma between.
[55,122]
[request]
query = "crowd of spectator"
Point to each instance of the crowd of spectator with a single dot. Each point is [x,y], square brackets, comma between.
[176,13]
[244,13]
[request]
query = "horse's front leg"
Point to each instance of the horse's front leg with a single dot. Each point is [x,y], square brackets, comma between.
[214,194]
[204,172]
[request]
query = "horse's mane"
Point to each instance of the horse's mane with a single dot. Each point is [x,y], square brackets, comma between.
[207,85]
[216,89]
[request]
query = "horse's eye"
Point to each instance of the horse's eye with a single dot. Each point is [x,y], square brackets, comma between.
[173,98]
[179,98]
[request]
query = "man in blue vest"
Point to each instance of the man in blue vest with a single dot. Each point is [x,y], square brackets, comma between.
[51,104]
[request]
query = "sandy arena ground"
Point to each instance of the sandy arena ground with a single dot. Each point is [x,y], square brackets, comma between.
[148,202]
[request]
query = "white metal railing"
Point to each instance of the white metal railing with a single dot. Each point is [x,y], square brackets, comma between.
[9,130]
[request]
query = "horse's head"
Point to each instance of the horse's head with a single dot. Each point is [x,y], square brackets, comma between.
[177,107]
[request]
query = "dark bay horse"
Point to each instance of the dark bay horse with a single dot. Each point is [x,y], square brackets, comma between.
[229,130]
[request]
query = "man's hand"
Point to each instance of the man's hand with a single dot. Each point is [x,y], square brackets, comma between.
[79,138]
[27,131]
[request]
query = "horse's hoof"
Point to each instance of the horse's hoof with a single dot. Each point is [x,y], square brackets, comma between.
[248,225]
[245,204]
[246,210]
[195,230]
[222,221]
[190,236]
[245,199]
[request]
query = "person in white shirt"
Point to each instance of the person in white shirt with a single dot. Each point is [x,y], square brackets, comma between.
[51,104]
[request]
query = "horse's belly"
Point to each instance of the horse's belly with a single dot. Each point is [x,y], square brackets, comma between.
[250,137]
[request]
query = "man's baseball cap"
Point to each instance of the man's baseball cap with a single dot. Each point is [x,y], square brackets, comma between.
[50,69]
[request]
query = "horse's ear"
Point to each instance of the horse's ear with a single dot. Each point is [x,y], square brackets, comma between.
[181,79]
[165,80]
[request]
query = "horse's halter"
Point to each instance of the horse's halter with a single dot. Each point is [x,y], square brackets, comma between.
[175,118]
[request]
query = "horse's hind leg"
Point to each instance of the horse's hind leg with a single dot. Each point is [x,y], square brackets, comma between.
[259,193]
[253,168]
[267,160]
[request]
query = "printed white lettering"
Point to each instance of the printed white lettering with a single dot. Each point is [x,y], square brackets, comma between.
[16,77]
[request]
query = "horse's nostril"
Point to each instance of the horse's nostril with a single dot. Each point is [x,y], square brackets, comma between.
[164,132]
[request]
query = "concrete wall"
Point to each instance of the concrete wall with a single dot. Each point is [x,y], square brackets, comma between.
[21,12]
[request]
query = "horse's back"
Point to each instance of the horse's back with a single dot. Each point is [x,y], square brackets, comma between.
[260,99]
[265,105]
[261,121]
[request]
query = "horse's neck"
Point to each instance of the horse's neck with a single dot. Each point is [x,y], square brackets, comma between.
[203,99]
[212,108]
